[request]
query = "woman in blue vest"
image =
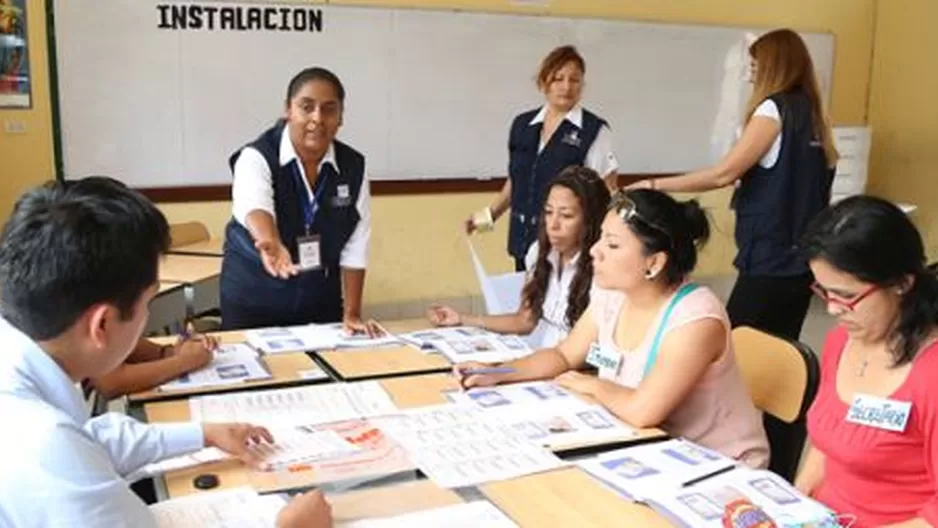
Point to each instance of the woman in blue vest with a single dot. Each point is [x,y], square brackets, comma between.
[543,142]
[783,167]
[298,239]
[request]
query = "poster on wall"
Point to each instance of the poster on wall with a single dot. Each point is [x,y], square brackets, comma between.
[14,60]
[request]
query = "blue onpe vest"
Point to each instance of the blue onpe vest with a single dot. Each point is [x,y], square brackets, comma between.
[531,172]
[774,206]
[249,296]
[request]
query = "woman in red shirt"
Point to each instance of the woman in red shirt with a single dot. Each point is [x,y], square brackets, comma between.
[874,424]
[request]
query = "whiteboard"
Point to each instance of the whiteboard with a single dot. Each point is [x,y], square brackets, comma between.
[431,94]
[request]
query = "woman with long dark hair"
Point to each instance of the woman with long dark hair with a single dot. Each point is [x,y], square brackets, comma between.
[873,426]
[557,290]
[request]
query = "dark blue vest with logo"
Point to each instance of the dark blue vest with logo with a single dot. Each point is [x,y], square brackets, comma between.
[250,297]
[774,206]
[531,172]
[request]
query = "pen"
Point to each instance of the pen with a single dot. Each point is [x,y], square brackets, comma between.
[702,478]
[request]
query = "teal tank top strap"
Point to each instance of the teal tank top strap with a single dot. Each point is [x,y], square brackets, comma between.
[656,344]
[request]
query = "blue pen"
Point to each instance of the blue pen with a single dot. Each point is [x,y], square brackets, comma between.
[487,370]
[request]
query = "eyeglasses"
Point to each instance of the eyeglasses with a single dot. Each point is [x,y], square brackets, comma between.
[627,209]
[848,304]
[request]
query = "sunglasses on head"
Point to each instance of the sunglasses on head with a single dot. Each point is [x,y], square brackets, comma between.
[627,210]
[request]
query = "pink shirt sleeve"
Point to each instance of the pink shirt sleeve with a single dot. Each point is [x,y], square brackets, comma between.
[926,398]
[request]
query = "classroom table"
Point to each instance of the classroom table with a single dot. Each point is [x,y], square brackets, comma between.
[407,392]
[200,275]
[168,307]
[213,247]
[390,500]
[357,364]
[567,497]
[286,370]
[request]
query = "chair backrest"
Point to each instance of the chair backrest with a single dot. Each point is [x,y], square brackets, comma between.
[502,293]
[187,233]
[782,376]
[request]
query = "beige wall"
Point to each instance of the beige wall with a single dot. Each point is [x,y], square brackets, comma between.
[902,111]
[26,159]
[417,249]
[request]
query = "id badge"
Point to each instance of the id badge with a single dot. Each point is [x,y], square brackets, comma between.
[879,413]
[607,361]
[308,249]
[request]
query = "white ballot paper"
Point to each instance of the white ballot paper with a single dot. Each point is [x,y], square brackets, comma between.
[230,364]
[478,514]
[295,406]
[662,466]
[464,343]
[459,446]
[282,340]
[202,456]
[546,414]
[703,505]
[237,508]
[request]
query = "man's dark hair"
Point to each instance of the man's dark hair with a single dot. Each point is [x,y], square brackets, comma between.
[71,245]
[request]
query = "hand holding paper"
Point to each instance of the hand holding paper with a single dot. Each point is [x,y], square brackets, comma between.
[237,439]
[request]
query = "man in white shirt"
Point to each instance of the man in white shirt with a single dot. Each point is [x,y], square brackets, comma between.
[78,268]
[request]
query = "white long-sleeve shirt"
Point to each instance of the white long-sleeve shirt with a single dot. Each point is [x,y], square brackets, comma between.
[57,467]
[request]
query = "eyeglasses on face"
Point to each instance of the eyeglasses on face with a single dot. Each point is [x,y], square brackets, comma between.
[847,303]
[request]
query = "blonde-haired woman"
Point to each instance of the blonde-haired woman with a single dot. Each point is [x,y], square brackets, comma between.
[782,166]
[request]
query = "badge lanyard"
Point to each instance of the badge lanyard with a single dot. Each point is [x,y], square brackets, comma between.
[310,207]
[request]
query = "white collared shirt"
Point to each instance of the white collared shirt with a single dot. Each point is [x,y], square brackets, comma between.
[552,327]
[57,467]
[252,190]
[600,156]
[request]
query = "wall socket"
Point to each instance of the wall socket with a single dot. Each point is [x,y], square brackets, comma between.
[14,127]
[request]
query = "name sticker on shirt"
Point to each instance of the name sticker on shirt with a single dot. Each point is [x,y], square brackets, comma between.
[308,248]
[607,361]
[880,413]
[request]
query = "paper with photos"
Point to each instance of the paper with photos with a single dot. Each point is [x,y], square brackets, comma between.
[233,363]
[282,340]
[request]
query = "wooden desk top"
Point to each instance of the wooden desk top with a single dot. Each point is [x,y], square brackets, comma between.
[189,268]
[390,500]
[568,497]
[369,363]
[213,247]
[405,326]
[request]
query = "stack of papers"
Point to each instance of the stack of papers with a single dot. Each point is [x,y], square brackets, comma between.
[456,446]
[546,414]
[313,337]
[466,515]
[662,466]
[692,485]
[237,508]
[295,406]
[231,364]
[703,505]
[465,343]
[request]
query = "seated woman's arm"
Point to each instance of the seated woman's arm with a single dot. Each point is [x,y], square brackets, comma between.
[812,471]
[130,378]
[543,364]
[683,358]
[521,322]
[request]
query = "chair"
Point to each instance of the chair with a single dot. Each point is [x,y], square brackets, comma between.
[187,233]
[782,376]
[502,293]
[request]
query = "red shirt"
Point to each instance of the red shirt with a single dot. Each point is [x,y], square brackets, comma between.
[880,476]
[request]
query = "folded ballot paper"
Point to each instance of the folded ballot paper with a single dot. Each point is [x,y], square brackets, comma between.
[692,486]
[281,340]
